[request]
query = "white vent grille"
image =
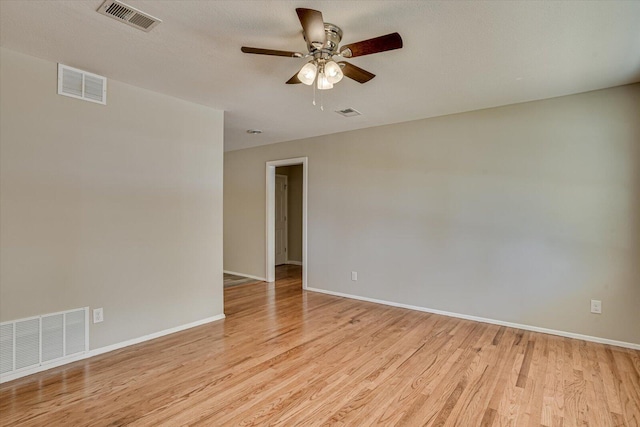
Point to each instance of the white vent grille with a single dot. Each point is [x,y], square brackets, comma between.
[52,337]
[74,328]
[349,112]
[129,15]
[6,348]
[81,84]
[27,343]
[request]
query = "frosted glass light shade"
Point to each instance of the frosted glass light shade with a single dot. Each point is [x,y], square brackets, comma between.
[307,74]
[333,72]
[323,82]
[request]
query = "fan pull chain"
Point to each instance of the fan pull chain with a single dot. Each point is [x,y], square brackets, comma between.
[314,93]
[321,101]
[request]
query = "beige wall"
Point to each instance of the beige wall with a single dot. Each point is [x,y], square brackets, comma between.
[522,213]
[294,210]
[116,206]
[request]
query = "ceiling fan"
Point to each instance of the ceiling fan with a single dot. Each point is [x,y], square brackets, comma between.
[323,41]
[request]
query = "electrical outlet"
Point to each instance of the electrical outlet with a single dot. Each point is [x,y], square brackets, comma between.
[98,315]
[596,306]
[354,275]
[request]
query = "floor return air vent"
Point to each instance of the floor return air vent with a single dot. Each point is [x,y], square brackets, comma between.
[40,340]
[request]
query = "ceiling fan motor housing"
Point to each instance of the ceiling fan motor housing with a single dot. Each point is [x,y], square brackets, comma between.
[334,36]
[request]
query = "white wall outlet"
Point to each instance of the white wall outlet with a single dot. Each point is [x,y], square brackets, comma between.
[596,306]
[98,315]
[354,275]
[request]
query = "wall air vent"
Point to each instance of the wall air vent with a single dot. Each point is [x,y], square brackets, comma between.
[41,340]
[129,15]
[349,112]
[81,84]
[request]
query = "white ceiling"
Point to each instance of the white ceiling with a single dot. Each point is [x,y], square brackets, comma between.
[457,56]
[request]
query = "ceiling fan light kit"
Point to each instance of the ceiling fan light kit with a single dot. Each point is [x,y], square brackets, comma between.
[323,82]
[324,72]
[333,72]
[323,40]
[307,74]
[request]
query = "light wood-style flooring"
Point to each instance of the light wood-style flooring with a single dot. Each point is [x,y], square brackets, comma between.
[288,357]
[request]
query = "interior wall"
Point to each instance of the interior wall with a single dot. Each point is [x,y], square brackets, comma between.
[116,206]
[294,210]
[521,213]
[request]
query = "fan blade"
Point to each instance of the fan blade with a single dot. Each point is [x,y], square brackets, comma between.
[355,73]
[313,26]
[367,47]
[294,80]
[259,51]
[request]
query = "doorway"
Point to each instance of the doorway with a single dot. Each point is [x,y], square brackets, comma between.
[271,216]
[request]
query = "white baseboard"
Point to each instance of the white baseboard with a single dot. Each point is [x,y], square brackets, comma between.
[293,262]
[102,350]
[235,273]
[149,337]
[486,320]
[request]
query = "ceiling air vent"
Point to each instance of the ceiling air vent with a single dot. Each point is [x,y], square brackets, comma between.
[349,112]
[81,84]
[129,15]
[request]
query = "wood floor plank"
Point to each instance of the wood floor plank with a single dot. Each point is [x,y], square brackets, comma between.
[284,356]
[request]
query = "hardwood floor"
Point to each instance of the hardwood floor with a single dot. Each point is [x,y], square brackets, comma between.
[288,357]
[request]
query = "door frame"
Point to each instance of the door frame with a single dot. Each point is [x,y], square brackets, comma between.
[286,216]
[270,215]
